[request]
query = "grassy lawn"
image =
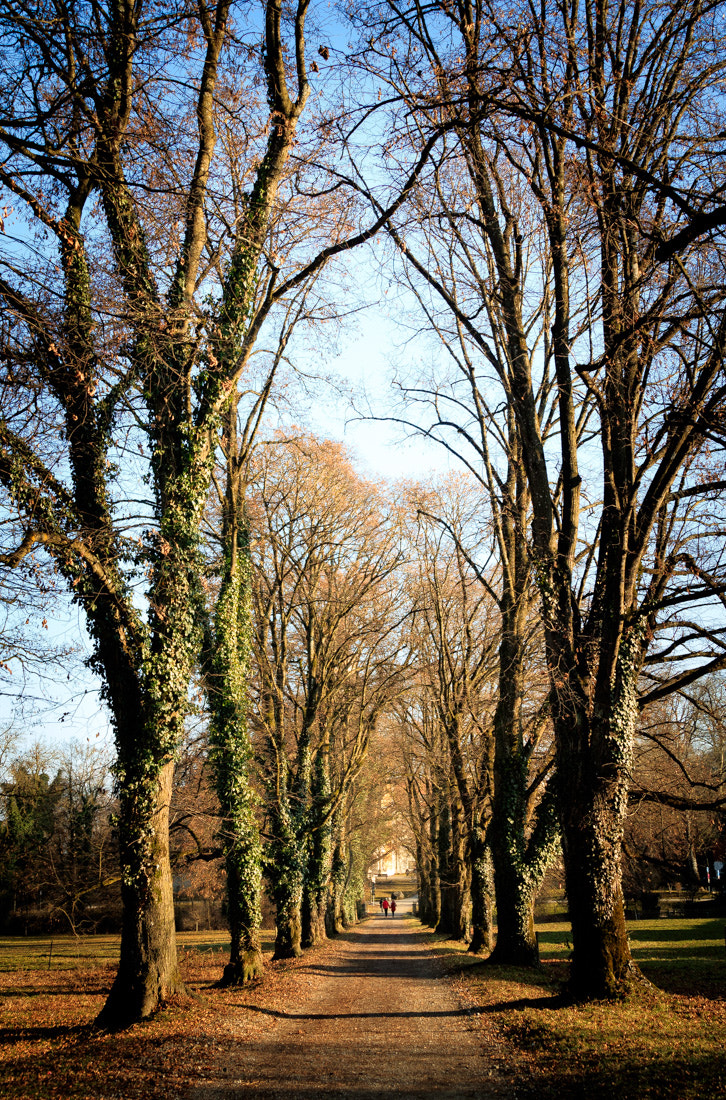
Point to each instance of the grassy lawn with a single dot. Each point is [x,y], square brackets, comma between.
[667,1041]
[49,1048]
[65,952]
[56,952]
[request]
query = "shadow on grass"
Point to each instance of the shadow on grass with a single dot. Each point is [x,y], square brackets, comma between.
[673,932]
[81,1063]
[9,1036]
[687,977]
[668,953]
[547,1000]
[96,988]
[605,1077]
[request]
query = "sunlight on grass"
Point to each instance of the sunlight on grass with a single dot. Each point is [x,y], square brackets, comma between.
[64,952]
[57,952]
[666,1041]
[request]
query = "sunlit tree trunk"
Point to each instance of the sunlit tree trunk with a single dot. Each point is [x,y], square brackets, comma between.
[335,916]
[286,884]
[148,972]
[434,914]
[597,779]
[320,857]
[482,918]
[231,750]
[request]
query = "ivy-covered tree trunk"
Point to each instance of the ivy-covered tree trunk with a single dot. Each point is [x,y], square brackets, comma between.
[602,964]
[353,889]
[229,667]
[481,891]
[320,854]
[335,917]
[148,972]
[233,339]
[595,771]
[454,874]
[514,882]
[521,834]
[291,846]
[287,895]
[516,938]
[286,867]
[314,906]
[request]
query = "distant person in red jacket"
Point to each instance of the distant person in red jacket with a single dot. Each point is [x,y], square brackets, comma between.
[385,907]
[393,908]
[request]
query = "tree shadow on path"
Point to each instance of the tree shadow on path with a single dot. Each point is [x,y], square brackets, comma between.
[282,1015]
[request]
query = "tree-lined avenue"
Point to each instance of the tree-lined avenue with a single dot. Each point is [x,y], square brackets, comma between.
[368,1015]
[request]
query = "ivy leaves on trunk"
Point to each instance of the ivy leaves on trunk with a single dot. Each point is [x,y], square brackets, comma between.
[131,357]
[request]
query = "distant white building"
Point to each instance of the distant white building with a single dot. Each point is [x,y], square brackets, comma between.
[391,861]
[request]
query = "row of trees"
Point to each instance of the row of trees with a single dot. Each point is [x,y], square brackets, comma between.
[564,252]
[149,155]
[57,845]
[431,715]
[552,198]
[325,663]
[427,692]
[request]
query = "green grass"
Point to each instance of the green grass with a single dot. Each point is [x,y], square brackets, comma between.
[65,952]
[648,1047]
[679,956]
[665,1042]
[57,952]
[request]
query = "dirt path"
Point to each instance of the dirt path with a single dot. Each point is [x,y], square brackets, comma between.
[364,1017]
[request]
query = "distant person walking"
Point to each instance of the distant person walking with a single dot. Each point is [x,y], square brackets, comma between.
[385,907]
[393,908]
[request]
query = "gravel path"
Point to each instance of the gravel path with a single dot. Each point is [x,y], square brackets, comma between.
[366,1016]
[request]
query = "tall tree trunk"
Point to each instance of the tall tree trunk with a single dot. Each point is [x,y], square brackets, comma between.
[444,855]
[243,910]
[147,973]
[514,884]
[231,751]
[423,869]
[455,904]
[288,921]
[462,894]
[601,960]
[596,777]
[287,884]
[314,908]
[481,891]
[335,915]
[434,913]
[320,857]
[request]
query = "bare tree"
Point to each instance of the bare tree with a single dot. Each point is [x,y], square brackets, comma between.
[564,118]
[327,661]
[113,351]
[455,638]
